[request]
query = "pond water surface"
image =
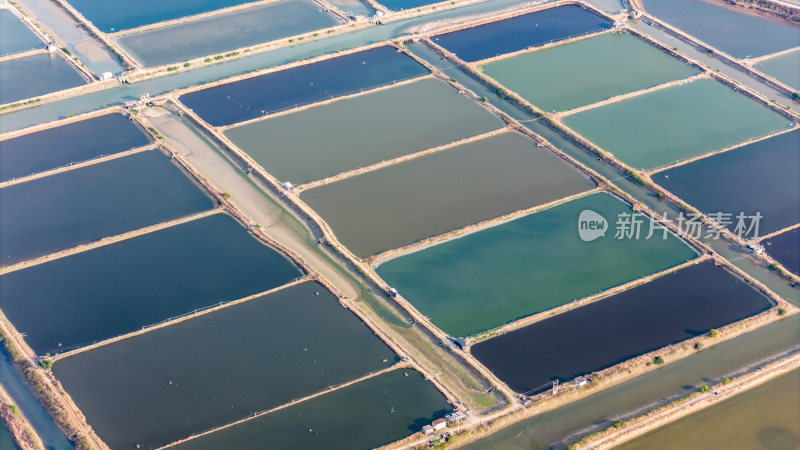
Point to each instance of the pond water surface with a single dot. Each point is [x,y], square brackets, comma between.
[521,32]
[60,211]
[256,97]
[220,367]
[119,288]
[665,311]
[72,143]
[397,404]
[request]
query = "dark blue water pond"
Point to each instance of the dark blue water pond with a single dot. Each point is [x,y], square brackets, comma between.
[116,15]
[111,290]
[220,367]
[785,248]
[61,211]
[521,32]
[72,143]
[397,404]
[763,177]
[667,310]
[35,75]
[277,91]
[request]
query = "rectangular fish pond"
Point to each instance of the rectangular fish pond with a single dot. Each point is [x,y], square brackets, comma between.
[538,262]
[521,32]
[214,369]
[15,36]
[676,123]
[120,288]
[762,177]
[398,403]
[115,15]
[784,68]
[765,416]
[226,32]
[668,310]
[401,204]
[325,140]
[554,79]
[256,97]
[83,205]
[735,30]
[785,248]
[35,75]
[68,144]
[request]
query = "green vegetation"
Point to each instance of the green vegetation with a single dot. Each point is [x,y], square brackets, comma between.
[619,424]
[796,96]
[698,345]
[46,363]
[172,68]
[301,38]
[704,388]
[15,409]
[116,53]
[228,55]
[208,60]
[713,333]
[726,381]
[484,99]
[67,51]
[156,132]
[782,311]
[218,57]
[500,92]
[635,177]
[658,360]
[14,105]
[187,64]
[773,267]
[660,195]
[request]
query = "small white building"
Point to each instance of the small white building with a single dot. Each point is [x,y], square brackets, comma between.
[580,381]
[427,429]
[52,48]
[756,249]
[439,424]
[106,76]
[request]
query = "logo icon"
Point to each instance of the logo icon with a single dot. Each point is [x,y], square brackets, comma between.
[591,225]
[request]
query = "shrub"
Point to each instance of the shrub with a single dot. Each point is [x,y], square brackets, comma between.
[187,64]
[782,312]
[713,333]
[46,364]
[618,424]
[208,59]
[15,410]
[698,345]
[484,99]
[704,388]
[218,57]
[658,360]
[773,267]
[660,195]
[796,96]
[726,381]
[172,68]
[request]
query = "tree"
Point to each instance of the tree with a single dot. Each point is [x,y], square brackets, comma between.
[658,360]
[713,333]
[704,388]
